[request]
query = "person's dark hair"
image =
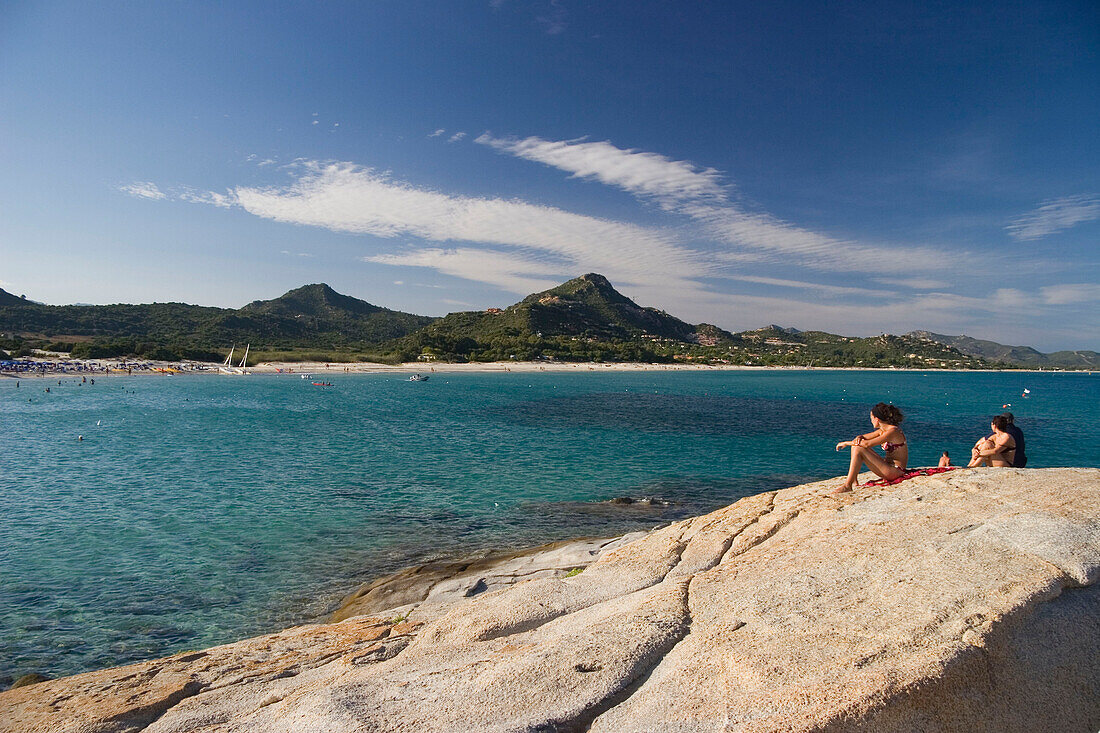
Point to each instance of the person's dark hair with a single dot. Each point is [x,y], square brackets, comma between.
[887,413]
[1000,422]
[1009,416]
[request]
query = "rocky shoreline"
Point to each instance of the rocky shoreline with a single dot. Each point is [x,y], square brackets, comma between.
[424,592]
[962,600]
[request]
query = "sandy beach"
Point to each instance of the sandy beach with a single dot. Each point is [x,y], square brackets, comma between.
[108,367]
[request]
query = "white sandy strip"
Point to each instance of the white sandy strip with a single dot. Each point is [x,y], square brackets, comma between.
[364,367]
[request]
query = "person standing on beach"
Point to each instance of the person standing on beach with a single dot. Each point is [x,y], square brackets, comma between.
[885,418]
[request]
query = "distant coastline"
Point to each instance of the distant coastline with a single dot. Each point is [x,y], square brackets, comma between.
[584,320]
[107,368]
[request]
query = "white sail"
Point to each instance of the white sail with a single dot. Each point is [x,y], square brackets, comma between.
[227,365]
[244,361]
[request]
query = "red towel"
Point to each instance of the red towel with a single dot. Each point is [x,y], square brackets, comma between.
[910,474]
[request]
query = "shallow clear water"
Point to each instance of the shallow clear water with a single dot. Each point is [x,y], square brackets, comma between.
[200,510]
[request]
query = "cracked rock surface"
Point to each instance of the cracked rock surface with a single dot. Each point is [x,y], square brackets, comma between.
[961,601]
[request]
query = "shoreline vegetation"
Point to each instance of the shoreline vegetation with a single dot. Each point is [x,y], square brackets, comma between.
[583,321]
[63,366]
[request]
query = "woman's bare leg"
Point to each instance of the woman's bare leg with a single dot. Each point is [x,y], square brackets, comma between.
[977,460]
[878,464]
[864,455]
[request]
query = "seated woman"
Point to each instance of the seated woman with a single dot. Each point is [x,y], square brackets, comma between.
[998,449]
[886,419]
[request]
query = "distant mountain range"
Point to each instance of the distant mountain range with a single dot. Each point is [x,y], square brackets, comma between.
[584,319]
[1019,355]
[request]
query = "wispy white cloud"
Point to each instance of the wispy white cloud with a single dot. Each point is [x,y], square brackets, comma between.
[699,193]
[143,190]
[650,175]
[914,283]
[816,287]
[1070,293]
[221,200]
[437,133]
[553,19]
[297,254]
[456,137]
[253,158]
[507,271]
[1054,216]
[349,198]
[779,241]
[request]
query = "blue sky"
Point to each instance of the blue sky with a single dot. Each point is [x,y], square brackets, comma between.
[852,167]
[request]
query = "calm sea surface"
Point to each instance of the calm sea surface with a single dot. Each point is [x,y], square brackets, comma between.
[201,510]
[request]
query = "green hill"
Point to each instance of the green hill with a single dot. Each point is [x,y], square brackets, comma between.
[583,319]
[586,319]
[1015,355]
[773,345]
[7,298]
[312,317]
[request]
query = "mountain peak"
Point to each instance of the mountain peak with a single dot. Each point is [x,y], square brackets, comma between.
[320,291]
[588,285]
[313,299]
[7,298]
[596,279]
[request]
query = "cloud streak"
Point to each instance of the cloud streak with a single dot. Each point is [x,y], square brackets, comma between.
[669,182]
[1071,293]
[699,193]
[143,190]
[1054,216]
[347,198]
[509,272]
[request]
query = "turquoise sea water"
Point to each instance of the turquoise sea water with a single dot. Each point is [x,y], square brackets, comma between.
[200,510]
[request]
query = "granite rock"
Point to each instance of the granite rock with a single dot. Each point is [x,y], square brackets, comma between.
[965,600]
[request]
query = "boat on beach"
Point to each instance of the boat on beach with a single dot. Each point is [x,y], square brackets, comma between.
[227,365]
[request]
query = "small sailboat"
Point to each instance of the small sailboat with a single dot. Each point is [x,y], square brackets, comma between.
[227,365]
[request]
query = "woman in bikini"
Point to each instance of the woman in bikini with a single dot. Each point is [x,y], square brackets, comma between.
[998,449]
[886,419]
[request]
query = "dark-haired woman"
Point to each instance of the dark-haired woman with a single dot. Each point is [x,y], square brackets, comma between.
[998,449]
[886,419]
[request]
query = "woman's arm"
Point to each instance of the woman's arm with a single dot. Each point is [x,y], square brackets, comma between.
[875,438]
[1000,445]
